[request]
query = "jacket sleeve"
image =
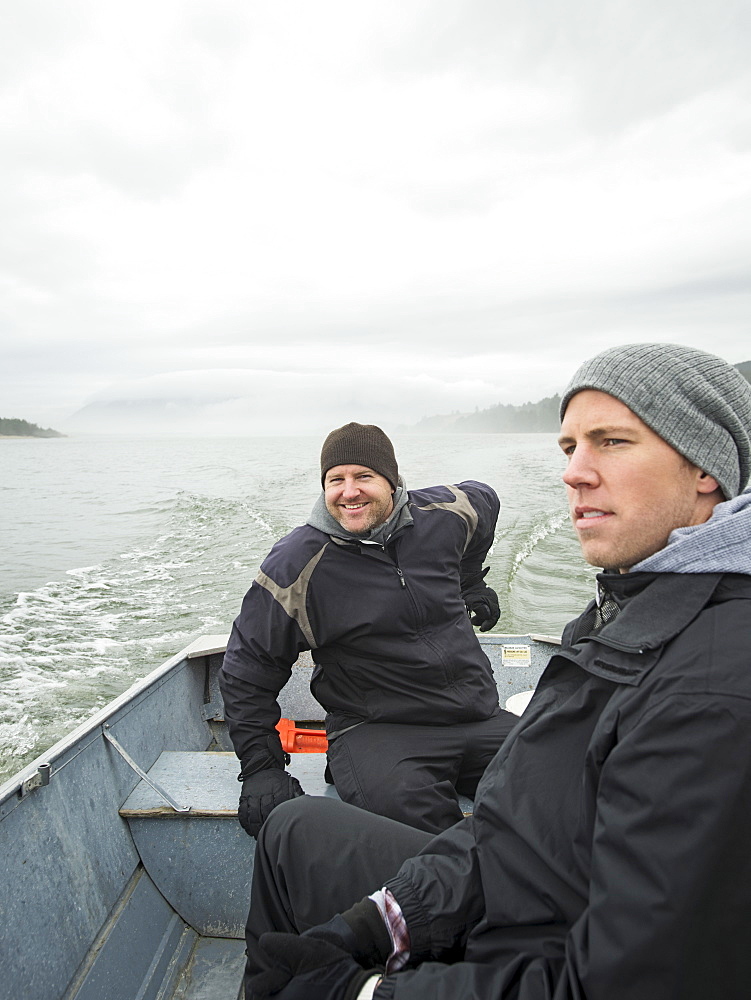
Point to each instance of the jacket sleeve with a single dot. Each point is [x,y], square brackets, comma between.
[440,893]
[485,502]
[667,907]
[264,644]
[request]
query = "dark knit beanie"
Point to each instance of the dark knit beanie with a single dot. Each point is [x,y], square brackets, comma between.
[698,403]
[360,444]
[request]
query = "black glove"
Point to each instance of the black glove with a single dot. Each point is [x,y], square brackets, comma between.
[482,602]
[360,931]
[265,785]
[305,968]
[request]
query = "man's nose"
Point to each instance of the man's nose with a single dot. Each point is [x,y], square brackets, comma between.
[351,489]
[581,469]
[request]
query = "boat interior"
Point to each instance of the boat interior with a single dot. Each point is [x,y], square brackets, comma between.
[128,875]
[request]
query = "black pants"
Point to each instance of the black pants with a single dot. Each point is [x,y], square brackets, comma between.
[316,857]
[413,773]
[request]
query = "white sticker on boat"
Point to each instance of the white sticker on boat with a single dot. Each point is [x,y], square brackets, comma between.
[516,656]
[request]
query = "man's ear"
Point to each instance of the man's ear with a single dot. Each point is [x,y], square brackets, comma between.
[706,483]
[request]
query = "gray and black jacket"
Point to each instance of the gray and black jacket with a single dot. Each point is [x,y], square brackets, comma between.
[387,625]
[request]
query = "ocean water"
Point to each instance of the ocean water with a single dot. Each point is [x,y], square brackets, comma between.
[117,551]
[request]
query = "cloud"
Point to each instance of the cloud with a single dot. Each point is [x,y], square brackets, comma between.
[433,188]
[616,64]
[257,401]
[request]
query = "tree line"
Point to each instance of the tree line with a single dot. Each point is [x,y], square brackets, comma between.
[15,427]
[505,418]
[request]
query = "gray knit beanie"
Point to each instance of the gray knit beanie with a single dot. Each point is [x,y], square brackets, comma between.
[360,444]
[698,403]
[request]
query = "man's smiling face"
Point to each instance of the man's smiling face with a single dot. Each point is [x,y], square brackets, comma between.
[357,497]
[627,488]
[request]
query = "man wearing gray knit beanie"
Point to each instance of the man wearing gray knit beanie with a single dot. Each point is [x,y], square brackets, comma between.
[608,853]
[383,585]
[656,435]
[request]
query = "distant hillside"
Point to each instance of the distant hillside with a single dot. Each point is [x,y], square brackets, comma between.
[507,419]
[13,427]
[499,419]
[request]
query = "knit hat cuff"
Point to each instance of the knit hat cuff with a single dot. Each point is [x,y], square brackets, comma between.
[696,402]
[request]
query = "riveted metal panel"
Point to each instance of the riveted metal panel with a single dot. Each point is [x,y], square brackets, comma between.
[513,675]
[67,854]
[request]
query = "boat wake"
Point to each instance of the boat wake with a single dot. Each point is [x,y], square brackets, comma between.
[538,533]
[70,646]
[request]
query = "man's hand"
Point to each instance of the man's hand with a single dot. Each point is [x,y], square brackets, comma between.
[360,931]
[262,792]
[482,603]
[484,611]
[305,968]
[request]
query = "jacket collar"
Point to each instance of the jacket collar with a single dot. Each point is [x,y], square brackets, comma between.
[655,608]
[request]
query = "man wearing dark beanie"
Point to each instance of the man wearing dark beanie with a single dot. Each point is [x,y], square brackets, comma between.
[378,585]
[608,853]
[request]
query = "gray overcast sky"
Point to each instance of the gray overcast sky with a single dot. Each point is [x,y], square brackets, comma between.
[280,212]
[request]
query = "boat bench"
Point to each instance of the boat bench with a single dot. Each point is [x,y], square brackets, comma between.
[201,860]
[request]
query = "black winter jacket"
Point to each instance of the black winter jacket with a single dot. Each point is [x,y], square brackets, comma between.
[609,855]
[388,628]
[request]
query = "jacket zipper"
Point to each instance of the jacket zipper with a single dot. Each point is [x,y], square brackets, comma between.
[419,625]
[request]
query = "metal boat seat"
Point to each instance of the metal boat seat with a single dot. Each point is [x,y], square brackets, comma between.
[201,859]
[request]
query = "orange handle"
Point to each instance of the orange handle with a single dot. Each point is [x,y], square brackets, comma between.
[296,740]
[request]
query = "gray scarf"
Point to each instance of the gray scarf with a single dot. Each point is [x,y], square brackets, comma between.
[720,545]
[400,517]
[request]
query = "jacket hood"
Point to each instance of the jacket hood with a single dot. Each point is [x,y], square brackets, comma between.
[720,545]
